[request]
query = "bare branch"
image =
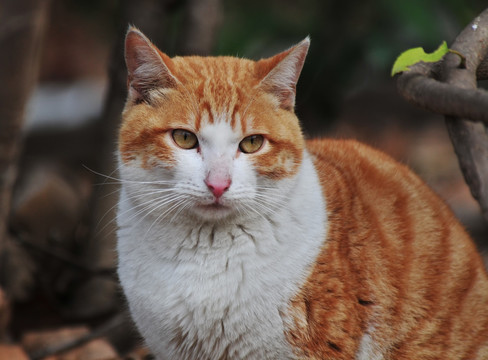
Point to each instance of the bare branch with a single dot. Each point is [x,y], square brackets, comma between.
[103,330]
[66,258]
[450,100]
[458,98]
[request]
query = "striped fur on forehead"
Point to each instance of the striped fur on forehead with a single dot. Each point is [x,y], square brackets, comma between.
[220,87]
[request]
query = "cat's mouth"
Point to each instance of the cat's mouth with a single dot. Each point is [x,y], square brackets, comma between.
[214,206]
[213,210]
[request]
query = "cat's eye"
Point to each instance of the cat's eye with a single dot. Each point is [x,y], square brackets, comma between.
[185,139]
[251,144]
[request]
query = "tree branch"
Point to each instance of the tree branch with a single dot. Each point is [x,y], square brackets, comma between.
[101,331]
[470,139]
[451,90]
[449,100]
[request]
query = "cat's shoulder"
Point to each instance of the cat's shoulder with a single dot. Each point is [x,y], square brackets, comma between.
[356,168]
[339,150]
[348,156]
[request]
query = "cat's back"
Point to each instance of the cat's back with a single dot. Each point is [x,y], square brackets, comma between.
[357,178]
[398,277]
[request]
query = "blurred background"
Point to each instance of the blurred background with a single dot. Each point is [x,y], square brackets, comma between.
[57,258]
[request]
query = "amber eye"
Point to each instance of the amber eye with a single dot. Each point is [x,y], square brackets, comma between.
[251,144]
[185,139]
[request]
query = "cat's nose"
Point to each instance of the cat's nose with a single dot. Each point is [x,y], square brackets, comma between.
[218,186]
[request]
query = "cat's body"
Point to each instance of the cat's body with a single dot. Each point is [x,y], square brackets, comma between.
[239,240]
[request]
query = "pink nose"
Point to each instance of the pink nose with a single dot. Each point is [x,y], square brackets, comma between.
[218,186]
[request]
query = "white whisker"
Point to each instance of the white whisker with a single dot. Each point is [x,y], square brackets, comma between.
[147,206]
[154,207]
[177,203]
[117,181]
[137,195]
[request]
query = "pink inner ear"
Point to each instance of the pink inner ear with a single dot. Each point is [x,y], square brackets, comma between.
[280,73]
[148,68]
[133,42]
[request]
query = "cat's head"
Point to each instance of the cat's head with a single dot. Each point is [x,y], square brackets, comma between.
[212,137]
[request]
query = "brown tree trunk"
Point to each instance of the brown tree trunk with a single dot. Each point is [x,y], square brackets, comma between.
[202,20]
[22,24]
[470,139]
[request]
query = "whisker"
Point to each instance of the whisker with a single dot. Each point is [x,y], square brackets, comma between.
[269,204]
[167,211]
[251,209]
[149,210]
[139,194]
[273,197]
[100,174]
[147,206]
[156,203]
[182,208]
[265,209]
[126,181]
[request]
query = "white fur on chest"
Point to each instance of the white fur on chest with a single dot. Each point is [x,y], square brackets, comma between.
[210,291]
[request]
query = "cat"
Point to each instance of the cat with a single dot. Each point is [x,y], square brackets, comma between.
[239,239]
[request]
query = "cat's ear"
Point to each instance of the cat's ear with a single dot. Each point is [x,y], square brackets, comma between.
[148,68]
[280,73]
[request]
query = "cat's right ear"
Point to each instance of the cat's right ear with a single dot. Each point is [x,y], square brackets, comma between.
[148,68]
[280,73]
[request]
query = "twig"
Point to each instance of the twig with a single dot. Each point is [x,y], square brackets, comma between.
[62,256]
[99,332]
[442,98]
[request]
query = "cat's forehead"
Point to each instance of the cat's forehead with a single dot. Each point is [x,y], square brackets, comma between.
[216,70]
[221,88]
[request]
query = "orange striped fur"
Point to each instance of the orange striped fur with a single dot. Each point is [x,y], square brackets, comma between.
[396,276]
[395,259]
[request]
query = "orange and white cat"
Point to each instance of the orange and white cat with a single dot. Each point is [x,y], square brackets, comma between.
[238,239]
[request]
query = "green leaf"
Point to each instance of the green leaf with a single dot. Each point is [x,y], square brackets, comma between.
[416,55]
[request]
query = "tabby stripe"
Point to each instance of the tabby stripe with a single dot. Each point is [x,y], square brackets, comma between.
[208,108]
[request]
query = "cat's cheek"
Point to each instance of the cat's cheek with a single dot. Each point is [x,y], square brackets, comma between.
[278,164]
[147,156]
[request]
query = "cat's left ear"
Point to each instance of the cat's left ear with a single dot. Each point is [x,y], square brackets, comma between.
[280,73]
[148,68]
